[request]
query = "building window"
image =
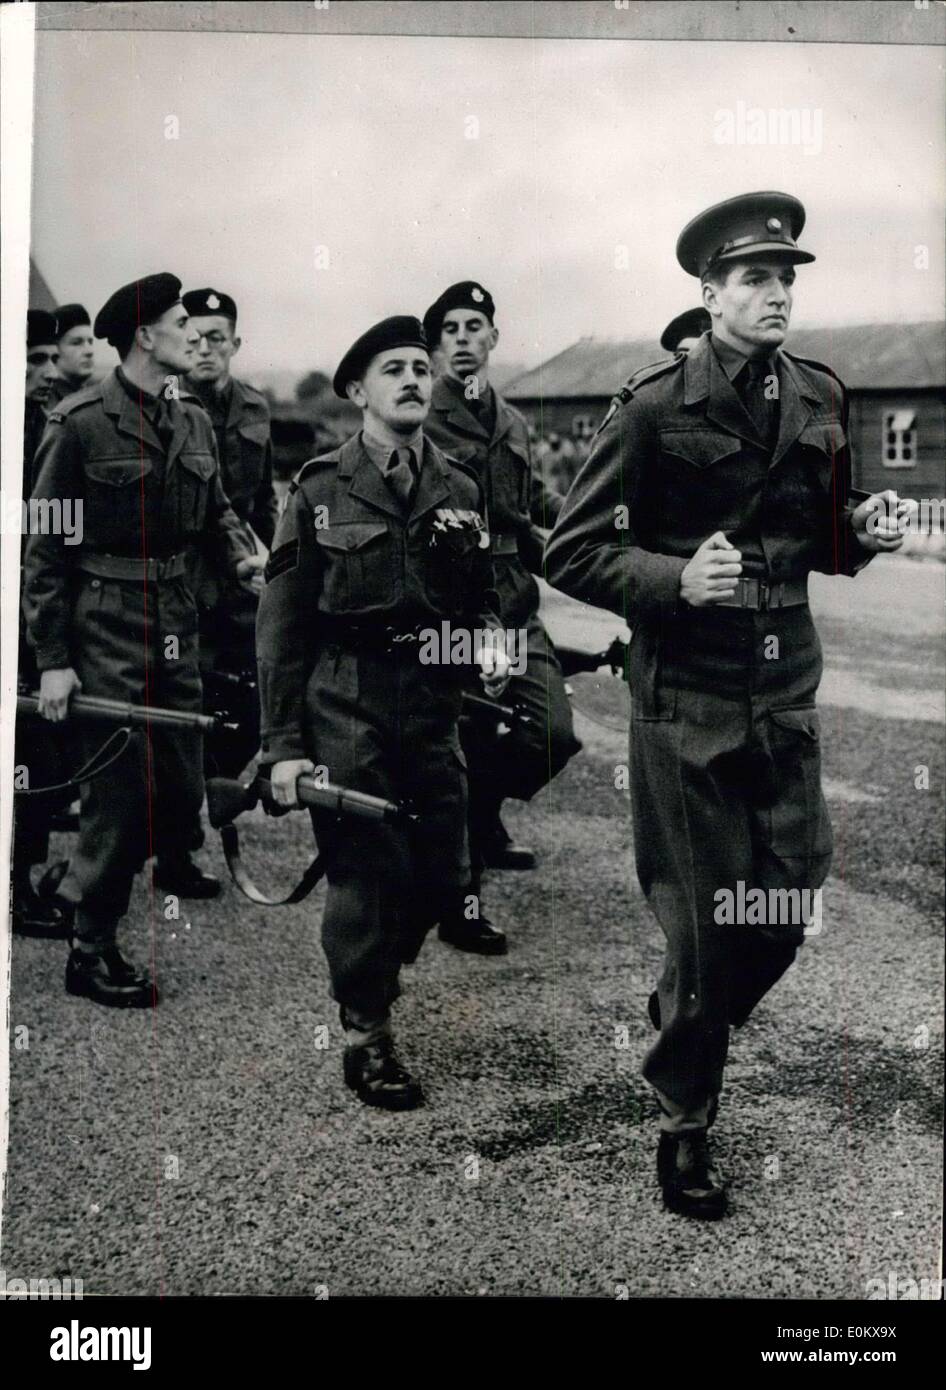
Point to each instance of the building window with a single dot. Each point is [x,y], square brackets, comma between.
[583,427]
[899,450]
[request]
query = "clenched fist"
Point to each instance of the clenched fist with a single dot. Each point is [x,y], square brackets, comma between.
[711,574]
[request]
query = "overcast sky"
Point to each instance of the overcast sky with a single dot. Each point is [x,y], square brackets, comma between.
[290,143]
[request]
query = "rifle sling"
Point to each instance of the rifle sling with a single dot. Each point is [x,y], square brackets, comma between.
[88,770]
[230,840]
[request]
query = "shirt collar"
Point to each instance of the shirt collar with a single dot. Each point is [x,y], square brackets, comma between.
[459,390]
[380,454]
[141,398]
[732,360]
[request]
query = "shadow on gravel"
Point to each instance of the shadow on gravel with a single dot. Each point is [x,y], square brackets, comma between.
[595,1110]
[863,1077]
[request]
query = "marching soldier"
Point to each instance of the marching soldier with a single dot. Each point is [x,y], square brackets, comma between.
[472,422]
[709,496]
[240,418]
[114,615]
[381,540]
[76,351]
[36,749]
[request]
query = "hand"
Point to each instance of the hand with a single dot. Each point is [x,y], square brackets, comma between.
[283,777]
[494,669]
[882,521]
[55,691]
[249,571]
[712,572]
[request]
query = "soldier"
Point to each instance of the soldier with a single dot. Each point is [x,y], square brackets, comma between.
[709,496]
[240,418]
[76,351]
[381,540]
[114,616]
[685,331]
[36,749]
[474,424]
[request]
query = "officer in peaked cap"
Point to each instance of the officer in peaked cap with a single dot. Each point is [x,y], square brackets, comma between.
[470,421]
[101,614]
[683,332]
[76,350]
[733,464]
[241,424]
[345,682]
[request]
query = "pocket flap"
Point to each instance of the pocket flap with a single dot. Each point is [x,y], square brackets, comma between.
[699,447]
[257,431]
[804,722]
[351,535]
[118,472]
[201,464]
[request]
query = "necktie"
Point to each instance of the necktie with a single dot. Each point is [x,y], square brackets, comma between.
[401,474]
[758,398]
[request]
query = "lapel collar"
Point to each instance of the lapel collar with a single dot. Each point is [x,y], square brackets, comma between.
[704,379]
[504,418]
[128,417]
[446,402]
[181,424]
[797,398]
[235,410]
[432,490]
[367,484]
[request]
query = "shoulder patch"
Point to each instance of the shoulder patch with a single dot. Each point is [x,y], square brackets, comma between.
[284,557]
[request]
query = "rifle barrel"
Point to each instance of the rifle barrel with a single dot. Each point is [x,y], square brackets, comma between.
[347,802]
[119,712]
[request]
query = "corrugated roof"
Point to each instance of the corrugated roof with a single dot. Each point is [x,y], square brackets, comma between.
[874,356]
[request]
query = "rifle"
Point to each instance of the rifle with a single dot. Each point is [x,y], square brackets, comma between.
[227,799]
[573,661]
[128,717]
[482,710]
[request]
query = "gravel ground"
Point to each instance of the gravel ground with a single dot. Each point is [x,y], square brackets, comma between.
[211,1147]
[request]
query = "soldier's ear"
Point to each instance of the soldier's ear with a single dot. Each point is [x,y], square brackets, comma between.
[143,338]
[356,394]
[493,337]
[236,345]
[711,299]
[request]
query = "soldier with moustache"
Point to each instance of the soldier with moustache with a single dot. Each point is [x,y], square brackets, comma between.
[382,541]
[115,617]
[471,421]
[712,491]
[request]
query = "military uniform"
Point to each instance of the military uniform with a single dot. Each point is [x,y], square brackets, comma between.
[497,450]
[725,744]
[146,473]
[341,684]
[239,416]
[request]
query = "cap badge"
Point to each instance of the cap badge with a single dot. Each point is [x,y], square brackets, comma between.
[214,303]
[774,225]
[477,294]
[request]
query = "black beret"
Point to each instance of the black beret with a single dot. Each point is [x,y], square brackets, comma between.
[754,224]
[71,316]
[136,304]
[468,294]
[400,331]
[40,328]
[203,302]
[692,323]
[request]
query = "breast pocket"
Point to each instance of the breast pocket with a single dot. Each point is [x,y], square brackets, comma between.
[112,502]
[822,442]
[194,479]
[359,566]
[703,472]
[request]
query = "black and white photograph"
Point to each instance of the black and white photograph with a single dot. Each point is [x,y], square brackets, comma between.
[474,560]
